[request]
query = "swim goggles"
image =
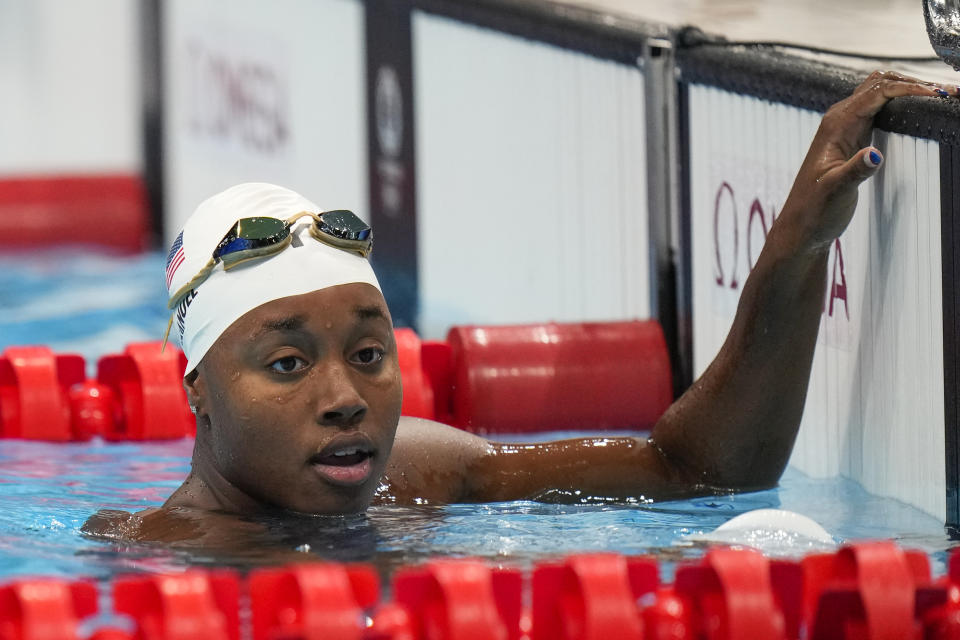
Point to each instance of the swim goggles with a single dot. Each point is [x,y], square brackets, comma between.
[259,237]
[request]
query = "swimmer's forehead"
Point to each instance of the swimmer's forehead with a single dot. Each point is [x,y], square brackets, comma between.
[300,322]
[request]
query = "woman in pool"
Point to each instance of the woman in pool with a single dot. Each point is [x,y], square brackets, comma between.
[294,381]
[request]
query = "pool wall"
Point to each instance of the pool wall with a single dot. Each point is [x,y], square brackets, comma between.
[876,402]
[531,162]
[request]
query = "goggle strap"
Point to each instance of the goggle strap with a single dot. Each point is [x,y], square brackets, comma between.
[302,214]
[166,334]
[196,280]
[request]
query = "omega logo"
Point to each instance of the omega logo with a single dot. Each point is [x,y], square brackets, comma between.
[237,99]
[730,248]
[388,115]
[389,111]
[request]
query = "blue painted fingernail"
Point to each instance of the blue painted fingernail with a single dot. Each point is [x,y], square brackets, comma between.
[942,93]
[873,159]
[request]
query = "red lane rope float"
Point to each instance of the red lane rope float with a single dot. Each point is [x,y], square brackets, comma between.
[591,597]
[41,609]
[436,357]
[732,596]
[869,591]
[148,382]
[463,599]
[102,210]
[33,393]
[312,601]
[418,397]
[195,605]
[599,375]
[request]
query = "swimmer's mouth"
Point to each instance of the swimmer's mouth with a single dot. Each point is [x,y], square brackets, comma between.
[343,457]
[344,463]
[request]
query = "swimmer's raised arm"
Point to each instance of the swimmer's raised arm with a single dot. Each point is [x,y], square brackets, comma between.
[735,427]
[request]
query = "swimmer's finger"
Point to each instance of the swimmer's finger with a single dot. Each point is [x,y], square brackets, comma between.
[861,166]
[866,104]
[893,76]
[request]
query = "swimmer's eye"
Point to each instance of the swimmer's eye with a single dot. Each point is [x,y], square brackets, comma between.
[370,355]
[287,364]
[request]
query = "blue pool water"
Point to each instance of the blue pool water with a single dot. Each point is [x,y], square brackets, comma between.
[48,490]
[80,302]
[95,305]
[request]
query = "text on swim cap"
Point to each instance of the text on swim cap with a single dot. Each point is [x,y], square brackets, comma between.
[182,311]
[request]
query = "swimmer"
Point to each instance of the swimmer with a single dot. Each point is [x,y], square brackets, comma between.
[292,366]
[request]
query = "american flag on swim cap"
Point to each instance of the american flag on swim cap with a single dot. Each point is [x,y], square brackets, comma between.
[174,258]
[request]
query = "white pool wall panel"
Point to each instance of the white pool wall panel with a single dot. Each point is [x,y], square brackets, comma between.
[531,181]
[875,408]
[267,92]
[70,78]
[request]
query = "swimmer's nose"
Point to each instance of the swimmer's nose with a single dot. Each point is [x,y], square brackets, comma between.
[345,416]
[342,406]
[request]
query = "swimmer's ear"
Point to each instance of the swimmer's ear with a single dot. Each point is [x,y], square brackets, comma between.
[193,385]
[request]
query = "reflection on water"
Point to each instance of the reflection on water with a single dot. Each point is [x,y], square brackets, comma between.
[47,491]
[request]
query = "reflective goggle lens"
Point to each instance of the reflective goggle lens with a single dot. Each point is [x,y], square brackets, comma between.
[252,233]
[344,224]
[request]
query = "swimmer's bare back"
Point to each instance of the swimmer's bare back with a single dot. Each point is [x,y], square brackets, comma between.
[261,419]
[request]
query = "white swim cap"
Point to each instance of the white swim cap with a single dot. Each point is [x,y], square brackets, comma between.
[216,303]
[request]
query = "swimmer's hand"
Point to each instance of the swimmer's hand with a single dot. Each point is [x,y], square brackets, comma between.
[824,194]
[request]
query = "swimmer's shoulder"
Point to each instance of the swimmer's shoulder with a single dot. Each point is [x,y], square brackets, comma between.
[113,524]
[162,524]
[430,463]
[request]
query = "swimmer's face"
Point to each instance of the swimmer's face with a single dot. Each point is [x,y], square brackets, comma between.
[300,400]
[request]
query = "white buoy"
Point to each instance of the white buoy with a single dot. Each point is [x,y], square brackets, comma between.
[771,531]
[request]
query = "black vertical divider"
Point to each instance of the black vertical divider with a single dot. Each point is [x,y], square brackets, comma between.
[390,136]
[949,221]
[151,95]
[683,378]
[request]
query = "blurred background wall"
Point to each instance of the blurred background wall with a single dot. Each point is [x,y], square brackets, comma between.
[70,82]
